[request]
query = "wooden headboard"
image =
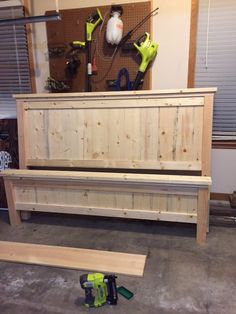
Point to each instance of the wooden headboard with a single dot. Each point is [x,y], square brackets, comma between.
[168,129]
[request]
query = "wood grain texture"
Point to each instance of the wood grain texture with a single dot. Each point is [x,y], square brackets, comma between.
[157,130]
[193,42]
[22,133]
[126,130]
[23,138]
[139,196]
[202,215]
[82,176]
[73,258]
[121,94]
[118,102]
[207,135]
[111,212]
[120,164]
[14,215]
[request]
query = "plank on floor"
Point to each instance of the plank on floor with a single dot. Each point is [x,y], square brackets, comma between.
[73,258]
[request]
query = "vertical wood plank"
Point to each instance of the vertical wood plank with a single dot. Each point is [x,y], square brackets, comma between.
[193,42]
[23,145]
[22,133]
[167,125]
[159,202]
[207,135]
[21,113]
[207,142]
[192,203]
[149,134]
[152,31]
[25,194]
[55,136]
[80,134]
[29,32]
[14,215]
[202,215]
[88,134]
[124,200]
[37,146]
[127,135]
[187,145]
[46,126]
[71,135]
[142,201]
[197,133]
[136,147]
[100,134]
[115,119]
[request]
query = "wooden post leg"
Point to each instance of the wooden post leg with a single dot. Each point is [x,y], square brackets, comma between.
[14,215]
[208,212]
[202,215]
[25,215]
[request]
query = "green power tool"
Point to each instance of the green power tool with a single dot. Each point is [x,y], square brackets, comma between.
[91,23]
[99,289]
[148,50]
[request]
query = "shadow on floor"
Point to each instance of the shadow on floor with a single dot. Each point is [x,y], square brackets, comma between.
[108,223]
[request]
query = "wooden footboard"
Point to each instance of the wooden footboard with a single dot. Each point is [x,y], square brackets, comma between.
[139,196]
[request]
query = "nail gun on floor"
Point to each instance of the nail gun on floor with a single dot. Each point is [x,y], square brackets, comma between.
[99,289]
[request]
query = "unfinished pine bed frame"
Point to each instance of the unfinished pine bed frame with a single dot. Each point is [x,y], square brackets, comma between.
[167,130]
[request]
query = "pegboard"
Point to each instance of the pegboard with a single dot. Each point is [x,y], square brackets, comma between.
[72,27]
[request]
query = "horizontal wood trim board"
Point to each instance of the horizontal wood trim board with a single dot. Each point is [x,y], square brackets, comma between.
[122,94]
[114,187]
[165,165]
[102,177]
[110,212]
[73,258]
[109,104]
[219,196]
[224,144]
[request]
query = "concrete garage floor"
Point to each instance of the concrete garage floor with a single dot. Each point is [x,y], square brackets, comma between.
[180,277]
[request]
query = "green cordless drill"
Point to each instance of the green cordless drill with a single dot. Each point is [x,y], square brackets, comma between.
[99,289]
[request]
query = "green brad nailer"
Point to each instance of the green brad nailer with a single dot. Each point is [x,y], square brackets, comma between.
[99,289]
[148,50]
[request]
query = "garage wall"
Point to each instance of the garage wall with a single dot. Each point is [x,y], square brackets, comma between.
[223,170]
[170,29]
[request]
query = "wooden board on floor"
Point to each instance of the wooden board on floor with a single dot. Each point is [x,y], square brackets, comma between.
[73,258]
